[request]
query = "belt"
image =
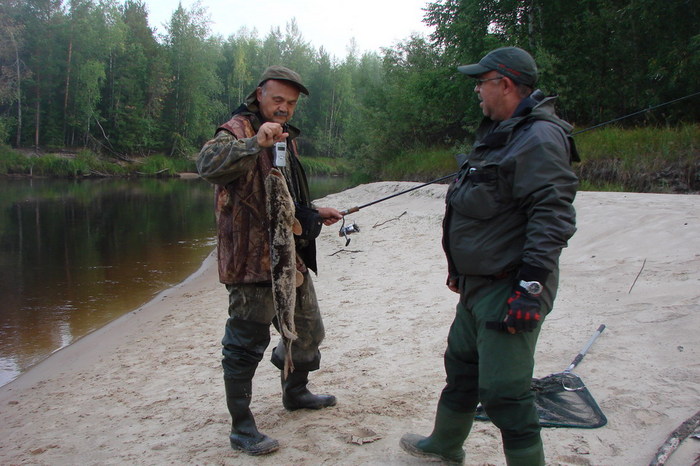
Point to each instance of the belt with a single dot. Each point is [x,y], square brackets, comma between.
[262,284]
[500,275]
[496,276]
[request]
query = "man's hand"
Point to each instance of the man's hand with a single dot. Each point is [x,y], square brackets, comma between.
[329,215]
[270,133]
[523,312]
[452,284]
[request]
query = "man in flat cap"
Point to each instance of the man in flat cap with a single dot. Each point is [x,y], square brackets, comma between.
[237,161]
[508,215]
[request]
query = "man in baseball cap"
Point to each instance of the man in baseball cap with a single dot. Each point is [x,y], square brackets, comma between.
[509,212]
[512,62]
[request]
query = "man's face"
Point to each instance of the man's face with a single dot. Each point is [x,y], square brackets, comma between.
[489,89]
[277,100]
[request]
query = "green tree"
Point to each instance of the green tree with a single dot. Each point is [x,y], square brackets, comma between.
[604,58]
[271,51]
[12,72]
[190,105]
[364,125]
[238,68]
[87,39]
[297,54]
[325,107]
[44,57]
[415,104]
[89,78]
[138,84]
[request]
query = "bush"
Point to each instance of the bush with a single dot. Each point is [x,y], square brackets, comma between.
[640,160]
[324,166]
[12,162]
[53,165]
[421,165]
[158,163]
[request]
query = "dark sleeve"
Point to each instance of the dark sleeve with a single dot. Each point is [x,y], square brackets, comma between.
[545,186]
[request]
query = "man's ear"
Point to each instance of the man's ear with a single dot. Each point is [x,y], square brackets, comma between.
[510,85]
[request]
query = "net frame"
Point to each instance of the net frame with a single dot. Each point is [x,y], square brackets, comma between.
[562,399]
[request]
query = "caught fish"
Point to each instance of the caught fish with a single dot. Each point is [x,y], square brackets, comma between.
[285,276]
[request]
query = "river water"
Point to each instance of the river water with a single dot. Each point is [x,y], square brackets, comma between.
[77,254]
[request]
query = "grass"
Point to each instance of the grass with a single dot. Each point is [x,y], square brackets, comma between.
[630,145]
[12,162]
[154,164]
[612,159]
[86,163]
[315,166]
[640,159]
[421,165]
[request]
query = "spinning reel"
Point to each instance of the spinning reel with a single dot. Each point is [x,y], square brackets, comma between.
[348,230]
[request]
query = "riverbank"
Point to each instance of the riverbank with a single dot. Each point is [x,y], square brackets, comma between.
[146,389]
[614,159]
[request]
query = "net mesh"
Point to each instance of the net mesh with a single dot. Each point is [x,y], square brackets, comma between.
[562,400]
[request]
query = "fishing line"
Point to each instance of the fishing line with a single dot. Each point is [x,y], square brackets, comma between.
[648,109]
[344,231]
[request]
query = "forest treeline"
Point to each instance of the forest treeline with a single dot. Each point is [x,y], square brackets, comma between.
[95,74]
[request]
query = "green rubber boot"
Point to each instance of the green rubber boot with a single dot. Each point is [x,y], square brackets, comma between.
[244,432]
[295,395]
[530,456]
[445,443]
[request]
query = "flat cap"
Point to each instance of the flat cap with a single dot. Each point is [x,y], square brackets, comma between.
[282,73]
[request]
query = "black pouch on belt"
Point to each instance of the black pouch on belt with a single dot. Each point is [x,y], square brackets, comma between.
[310,220]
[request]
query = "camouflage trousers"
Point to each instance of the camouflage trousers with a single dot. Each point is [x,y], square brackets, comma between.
[247,334]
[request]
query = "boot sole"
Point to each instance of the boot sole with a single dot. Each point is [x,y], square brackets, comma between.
[407,444]
[326,404]
[264,447]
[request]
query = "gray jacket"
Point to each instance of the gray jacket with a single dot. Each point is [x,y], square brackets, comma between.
[510,208]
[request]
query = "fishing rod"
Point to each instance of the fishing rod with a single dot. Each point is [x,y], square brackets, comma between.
[648,109]
[356,208]
[353,228]
[351,210]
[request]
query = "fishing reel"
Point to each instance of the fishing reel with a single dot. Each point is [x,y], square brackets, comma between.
[348,230]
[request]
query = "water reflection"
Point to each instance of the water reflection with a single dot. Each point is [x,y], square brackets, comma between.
[320,186]
[75,255]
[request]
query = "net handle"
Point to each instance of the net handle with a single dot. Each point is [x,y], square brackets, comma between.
[582,353]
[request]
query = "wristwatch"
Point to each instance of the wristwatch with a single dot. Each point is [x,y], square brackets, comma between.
[532,288]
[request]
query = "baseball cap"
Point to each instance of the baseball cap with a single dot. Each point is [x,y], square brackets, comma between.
[513,62]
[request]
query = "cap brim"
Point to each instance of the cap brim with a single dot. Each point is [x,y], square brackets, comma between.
[253,96]
[473,70]
[302,88]
[296,84]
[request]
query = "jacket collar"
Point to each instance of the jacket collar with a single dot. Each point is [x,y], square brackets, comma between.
[534,107]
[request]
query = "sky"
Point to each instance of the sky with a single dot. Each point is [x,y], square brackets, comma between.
[328,23]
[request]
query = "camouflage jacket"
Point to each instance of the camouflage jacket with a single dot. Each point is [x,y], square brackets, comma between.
[235,163]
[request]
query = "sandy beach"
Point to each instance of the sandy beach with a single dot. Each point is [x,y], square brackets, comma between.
[147,389]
